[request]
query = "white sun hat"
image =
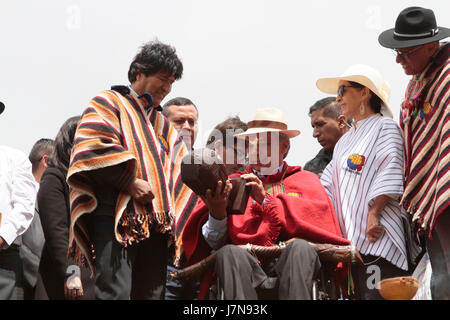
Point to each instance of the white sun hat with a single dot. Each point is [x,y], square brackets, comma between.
[362,74]
[268,120]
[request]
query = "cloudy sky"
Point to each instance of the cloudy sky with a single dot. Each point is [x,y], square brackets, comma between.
[238,56]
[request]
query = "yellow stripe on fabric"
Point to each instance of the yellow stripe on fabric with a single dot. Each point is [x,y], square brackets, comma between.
[275,189]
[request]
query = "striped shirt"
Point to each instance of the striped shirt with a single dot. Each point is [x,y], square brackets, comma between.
[425,120]
[368,162]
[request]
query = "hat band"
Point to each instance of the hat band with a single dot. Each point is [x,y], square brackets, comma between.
[431,33]
[267,124]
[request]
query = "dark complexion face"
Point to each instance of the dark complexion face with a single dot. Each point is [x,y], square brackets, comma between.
[158,85]
[327,130]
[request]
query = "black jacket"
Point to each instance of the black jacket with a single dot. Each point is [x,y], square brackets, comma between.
[54,211]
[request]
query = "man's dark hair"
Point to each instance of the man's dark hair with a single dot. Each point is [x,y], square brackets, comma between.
[60,157]
[41,148]
[331,108]
[154,57]
[178,101]
[229,127]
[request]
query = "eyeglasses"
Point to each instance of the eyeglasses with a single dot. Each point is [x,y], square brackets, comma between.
[341,89]
[405,54]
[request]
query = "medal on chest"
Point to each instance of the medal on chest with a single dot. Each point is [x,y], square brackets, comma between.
[413,104]
[163,143]
[356,162]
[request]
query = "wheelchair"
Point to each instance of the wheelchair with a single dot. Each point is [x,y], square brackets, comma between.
[324,286]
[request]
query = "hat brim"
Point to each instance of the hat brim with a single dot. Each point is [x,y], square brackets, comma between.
[389,40]
[331,85]
[251,131]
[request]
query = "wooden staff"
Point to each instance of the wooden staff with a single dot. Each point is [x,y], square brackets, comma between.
[326,252]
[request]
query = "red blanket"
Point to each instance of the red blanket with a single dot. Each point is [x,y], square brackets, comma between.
[299,207]
[303,211]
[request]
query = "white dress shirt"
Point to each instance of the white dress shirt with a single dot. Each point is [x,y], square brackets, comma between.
[18,191]
[214,231]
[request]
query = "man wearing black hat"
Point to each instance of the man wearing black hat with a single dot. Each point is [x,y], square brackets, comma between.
[425,123]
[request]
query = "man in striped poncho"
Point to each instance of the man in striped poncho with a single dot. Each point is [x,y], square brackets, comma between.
[125,181]
[425,121]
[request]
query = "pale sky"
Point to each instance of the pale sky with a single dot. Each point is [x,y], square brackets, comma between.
[238,56]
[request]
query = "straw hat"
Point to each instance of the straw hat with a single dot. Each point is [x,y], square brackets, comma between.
[362,74]
[268,120]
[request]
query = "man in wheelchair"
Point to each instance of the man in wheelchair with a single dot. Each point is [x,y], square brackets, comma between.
[285,202]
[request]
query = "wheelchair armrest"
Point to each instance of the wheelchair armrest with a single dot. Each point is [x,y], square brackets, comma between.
[334,253]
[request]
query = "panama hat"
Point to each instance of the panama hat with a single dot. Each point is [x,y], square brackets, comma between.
[268,120]
[362,74]
[414,26]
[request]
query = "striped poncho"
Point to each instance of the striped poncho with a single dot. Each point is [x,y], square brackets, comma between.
[117,128]
[425,120]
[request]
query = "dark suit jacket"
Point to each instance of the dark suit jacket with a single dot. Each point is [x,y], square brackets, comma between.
[54,211]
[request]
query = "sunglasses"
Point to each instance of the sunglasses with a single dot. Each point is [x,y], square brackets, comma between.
[340,91]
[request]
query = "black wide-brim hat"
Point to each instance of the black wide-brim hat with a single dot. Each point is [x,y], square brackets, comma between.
[414,26]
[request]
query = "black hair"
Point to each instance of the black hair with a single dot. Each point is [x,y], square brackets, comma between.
[178,101]
[60,157]
[331,108]
[375,101]
[229,127]
[41,148]
[155,57]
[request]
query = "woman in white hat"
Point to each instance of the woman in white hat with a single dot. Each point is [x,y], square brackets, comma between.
[365,177]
